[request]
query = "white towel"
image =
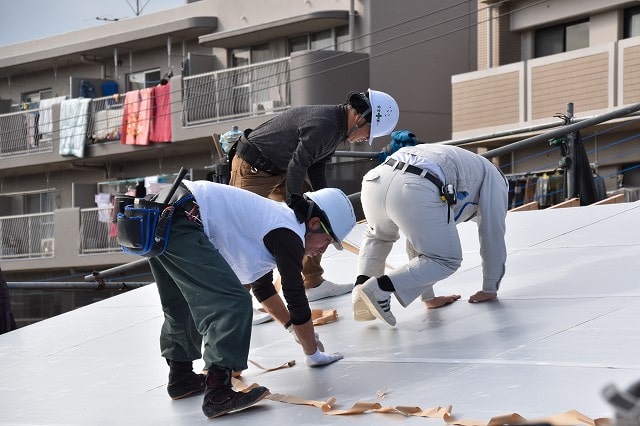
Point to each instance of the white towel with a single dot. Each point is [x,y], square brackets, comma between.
[73,126]
[45,123]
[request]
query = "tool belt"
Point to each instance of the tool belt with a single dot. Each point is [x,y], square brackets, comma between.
[447,191]
[144,225]
[252,155]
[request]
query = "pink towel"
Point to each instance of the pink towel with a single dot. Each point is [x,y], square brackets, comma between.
[136,117]
[130,117]
[161,117]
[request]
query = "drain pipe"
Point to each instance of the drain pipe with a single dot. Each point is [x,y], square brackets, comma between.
[86,60]
[352,20]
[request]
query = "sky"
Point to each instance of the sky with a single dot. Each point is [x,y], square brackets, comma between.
[26,20]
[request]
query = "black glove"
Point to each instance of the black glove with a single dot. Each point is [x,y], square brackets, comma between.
[299,205]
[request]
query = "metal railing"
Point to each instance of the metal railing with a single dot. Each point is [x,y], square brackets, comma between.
[215,96]
[23,132]
[236,92]
[97,233]
[105,119]
[26,236]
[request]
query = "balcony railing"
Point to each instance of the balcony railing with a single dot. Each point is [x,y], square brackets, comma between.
[97,233]
[22,133]
[236,92]
[105,119]
[210,97]
[27,236]
[31,236]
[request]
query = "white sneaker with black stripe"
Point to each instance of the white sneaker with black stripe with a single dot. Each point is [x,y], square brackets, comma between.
[377,300]
[360,309]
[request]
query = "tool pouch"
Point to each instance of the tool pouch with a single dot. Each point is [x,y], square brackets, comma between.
[144,227]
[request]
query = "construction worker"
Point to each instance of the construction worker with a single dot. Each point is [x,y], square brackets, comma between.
[220,238]
[289,155]
[423,191]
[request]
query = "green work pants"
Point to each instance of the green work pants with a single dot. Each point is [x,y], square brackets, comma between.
[201,296]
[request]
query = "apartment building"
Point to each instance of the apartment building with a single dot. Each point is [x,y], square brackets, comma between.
[208,65]
[537,57]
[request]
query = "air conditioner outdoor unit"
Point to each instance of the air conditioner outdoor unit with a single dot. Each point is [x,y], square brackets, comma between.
[47,245]
[266,107]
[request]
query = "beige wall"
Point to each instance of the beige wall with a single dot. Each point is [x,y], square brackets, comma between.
[630,75]
[492,101]
[586,85]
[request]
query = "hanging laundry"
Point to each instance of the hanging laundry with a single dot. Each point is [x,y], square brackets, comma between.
[144,117]
[107,124]
[87,89]
[109,87]
[130,117]
[104,203]
[136,117]
[33,135]
[45,123]
[74,116]
[161,114]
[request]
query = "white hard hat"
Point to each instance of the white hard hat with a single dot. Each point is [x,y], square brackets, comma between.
[338,211]
[384,114]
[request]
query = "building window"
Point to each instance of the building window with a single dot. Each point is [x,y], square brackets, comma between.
[342,38]
[240,57]
[42,202]
[298,43]
[261,53]
[632,22]
[37,96]
[561,38]
[247,56]
[143,79]
[322,40]
[332,39]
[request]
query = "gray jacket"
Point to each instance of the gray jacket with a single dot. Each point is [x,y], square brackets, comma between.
[301,141]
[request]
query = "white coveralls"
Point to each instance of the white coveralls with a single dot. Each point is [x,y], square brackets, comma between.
[394,200]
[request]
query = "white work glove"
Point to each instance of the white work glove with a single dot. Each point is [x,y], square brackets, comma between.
[322,358]
[295,336]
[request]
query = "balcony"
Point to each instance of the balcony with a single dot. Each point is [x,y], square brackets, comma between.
[206,98]
[26,236]
[65,238]
[237,92]
[200,105]
[595,79]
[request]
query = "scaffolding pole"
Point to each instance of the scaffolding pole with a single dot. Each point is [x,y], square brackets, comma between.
[564,130]
[39,285]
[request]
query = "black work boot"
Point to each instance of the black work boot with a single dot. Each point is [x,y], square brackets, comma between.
[183,382]
[221,399]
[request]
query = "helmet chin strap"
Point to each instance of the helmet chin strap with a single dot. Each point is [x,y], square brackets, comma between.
[350,132]
[355,127]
